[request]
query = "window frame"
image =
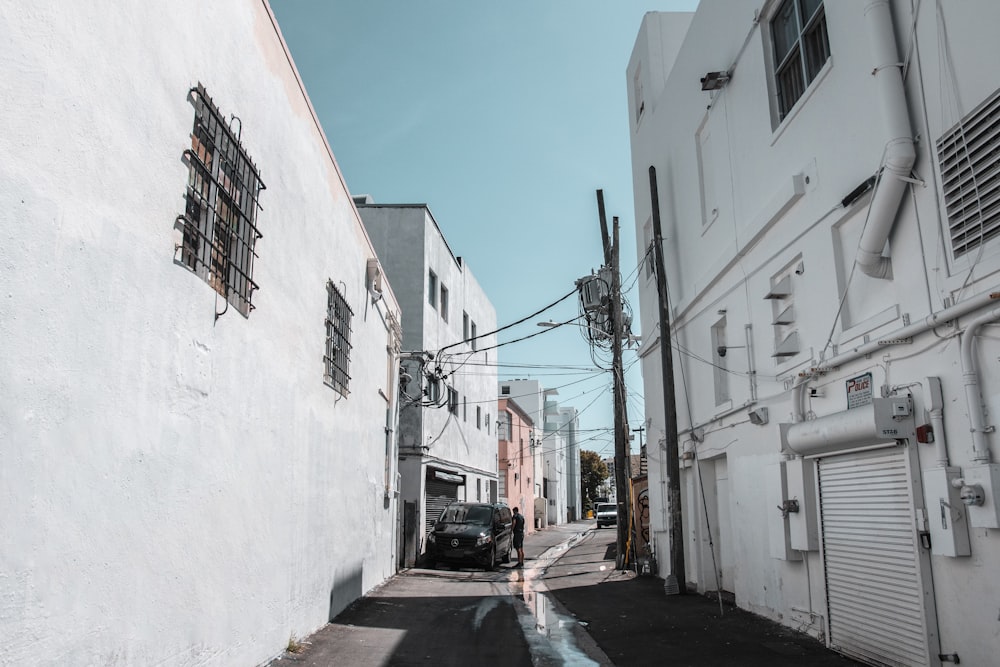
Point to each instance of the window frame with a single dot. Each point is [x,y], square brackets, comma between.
[336,373]
[798,56]
[432,288]
[218,228]
[443,303]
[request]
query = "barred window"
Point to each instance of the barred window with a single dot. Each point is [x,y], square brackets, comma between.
[801,48]
[337,360]
[219,221]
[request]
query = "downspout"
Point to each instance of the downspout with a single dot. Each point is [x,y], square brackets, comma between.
[970,377]
[933,399]
[899,151]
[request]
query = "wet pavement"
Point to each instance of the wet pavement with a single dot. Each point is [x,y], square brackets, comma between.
[568,606]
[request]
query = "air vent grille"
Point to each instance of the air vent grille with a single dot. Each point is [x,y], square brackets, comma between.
[969,155]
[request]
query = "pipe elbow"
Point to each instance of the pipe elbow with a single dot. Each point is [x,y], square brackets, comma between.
[874,265]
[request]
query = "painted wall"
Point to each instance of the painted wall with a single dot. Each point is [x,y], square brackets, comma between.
[411,245]
[746,200]
[516,462]
[178,487]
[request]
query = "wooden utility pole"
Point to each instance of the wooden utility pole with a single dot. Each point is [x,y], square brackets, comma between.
[675,581]
[622,464]
[623,467]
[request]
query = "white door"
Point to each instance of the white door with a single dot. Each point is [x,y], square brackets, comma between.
[873,561]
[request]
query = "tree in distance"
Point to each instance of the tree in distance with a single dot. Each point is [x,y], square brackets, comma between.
[593,472]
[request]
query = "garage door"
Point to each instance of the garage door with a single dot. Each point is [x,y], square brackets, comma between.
[872,563]
[439,494]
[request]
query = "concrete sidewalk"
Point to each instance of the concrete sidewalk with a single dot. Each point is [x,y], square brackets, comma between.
[635,623]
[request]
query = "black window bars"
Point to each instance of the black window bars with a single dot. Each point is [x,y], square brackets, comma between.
[219,221]
[337,359]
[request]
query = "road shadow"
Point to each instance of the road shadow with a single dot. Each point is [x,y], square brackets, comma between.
[441,631]
[636,623]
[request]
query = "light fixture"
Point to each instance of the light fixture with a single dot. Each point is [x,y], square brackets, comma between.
[714,80]
[758,416]
[722,349]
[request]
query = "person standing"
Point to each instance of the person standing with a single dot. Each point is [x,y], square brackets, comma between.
[519,537]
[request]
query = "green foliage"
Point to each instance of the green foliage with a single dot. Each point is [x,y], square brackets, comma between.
[593,472]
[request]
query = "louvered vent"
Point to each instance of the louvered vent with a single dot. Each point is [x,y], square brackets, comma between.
[970,172]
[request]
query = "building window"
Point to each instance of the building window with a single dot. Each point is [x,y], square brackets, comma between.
[432,289]
[637,98]
[444,302]
[337,359]
[473,331]
[452,401]
[801,48]
[434,391]
[220,215]
[465,409]
[968,154]
[505,390]
[487,422]
[465,325]
[479,417]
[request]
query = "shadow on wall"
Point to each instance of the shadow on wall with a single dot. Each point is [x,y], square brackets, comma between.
[346,589]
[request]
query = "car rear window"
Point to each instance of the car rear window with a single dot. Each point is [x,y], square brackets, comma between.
[606,507]
[478,514]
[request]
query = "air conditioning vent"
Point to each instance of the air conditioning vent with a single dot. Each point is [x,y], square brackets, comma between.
[969,156]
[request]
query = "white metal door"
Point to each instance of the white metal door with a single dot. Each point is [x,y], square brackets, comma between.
[875,596]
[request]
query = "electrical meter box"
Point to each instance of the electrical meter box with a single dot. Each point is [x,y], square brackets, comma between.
[947,516]
[987,476]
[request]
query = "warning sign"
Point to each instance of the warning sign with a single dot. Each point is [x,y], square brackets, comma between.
[859,391]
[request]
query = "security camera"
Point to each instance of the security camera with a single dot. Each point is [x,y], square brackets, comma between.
[721,350]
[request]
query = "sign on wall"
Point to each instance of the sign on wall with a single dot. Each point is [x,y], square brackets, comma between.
[859,391]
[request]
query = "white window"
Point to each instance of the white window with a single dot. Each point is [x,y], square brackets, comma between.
[801,48]
[432,289]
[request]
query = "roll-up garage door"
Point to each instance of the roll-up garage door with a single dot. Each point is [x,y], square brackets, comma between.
[873,580]
[438,495]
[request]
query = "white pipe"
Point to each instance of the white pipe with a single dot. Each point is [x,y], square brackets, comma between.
[970,377]
[934,403]
[934,319]
[899,151]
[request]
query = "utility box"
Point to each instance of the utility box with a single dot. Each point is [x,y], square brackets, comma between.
[803,524]
[987,476]
[947,516]
[778,526]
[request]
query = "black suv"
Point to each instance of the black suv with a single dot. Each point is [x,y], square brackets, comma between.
[471,532]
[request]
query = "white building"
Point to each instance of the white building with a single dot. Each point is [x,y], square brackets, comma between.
[832,251]
[568,424]
[448,416]
[196,383]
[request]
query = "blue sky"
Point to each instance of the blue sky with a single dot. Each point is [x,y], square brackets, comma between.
[504,118]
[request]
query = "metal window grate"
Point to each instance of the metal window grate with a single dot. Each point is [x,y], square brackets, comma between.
[969,155]
[337,359]
[219,221]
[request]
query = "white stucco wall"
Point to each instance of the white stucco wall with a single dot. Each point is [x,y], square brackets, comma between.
[176,490]
[410,244]
[775,189]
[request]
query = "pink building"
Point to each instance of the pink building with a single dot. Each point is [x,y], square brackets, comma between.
[516,464]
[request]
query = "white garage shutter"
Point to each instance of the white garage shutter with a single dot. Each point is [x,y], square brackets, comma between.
[874,591]
[439,495]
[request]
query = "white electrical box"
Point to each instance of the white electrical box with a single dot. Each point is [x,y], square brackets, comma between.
[947,516]
[986,475]
[778,526]
[803,524]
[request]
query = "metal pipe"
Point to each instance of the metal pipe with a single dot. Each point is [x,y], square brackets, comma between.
[970,377]
[935,410]
[899,153]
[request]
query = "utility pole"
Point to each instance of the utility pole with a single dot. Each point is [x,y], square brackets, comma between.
[675,582]
[622,465]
